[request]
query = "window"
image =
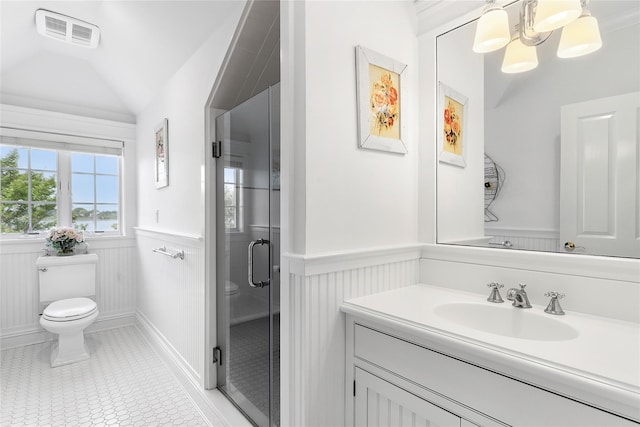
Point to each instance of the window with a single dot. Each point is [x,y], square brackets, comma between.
[94,192]
[49,183]
[231,205]
[28,189]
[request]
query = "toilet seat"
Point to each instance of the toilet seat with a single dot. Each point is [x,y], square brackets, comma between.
[69,309]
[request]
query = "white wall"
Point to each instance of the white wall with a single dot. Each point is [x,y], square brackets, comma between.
[171,293]
[182,101]
[355,198]
[460,192]
[339,201]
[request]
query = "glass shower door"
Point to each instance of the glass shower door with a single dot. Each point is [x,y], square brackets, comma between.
[245,247]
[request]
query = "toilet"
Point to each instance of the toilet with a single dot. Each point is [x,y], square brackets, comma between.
[230,288]
[65,283]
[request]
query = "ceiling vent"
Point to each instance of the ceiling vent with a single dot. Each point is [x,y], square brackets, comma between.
[67,29]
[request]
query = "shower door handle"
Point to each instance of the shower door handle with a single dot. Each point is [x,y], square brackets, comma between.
[253,283]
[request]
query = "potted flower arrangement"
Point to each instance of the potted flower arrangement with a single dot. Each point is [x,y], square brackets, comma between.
[64,239]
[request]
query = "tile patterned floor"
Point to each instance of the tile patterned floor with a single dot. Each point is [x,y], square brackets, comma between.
[249,363]
[123,384]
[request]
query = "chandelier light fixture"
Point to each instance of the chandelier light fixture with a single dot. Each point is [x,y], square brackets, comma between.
[492,32]
[537,20]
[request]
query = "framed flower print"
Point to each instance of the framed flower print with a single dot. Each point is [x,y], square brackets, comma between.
[381,120]
[452,117]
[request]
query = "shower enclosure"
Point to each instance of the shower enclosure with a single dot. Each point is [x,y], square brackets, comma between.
[248,248]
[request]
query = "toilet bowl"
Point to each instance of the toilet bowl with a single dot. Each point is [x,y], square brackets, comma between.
[68,319]
[231,288]
[65,284]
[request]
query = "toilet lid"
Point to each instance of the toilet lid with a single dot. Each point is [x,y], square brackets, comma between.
[69,309]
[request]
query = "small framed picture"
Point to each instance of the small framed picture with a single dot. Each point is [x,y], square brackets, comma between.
[381,120]
[452,117]
[162,154]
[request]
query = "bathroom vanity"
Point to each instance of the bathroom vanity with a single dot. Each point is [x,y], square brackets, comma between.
[425,353]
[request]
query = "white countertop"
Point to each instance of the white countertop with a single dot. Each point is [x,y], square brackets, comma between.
[600,364]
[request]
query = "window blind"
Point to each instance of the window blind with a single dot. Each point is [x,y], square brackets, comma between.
[59,141]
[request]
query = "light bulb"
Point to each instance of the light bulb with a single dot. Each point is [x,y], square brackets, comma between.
[492,30]
[580,37]
[519,58]
[553,14]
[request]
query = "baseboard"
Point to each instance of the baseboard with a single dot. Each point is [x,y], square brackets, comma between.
[213,406]
[35,334]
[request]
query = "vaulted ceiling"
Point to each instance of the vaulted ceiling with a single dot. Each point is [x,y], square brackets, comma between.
[142,44]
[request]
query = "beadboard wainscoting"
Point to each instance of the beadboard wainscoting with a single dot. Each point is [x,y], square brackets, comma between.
[171,295]
[19,292]
[313,369]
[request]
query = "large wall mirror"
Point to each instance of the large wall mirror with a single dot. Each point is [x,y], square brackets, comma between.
[547,159]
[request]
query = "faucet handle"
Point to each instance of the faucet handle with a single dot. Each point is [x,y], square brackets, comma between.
[554,294]
[554,304]
[495,292]
[522,286]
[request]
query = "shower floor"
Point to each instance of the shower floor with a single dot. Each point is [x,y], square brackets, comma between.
[249,363]
[248,307]
[124,383]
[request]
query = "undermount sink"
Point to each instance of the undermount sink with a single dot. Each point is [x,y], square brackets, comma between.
[507,321]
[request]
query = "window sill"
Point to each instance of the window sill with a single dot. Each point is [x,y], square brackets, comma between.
[31,244]
[22,238]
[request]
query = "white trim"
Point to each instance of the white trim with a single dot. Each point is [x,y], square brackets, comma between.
[437,13]
[310,265]
[19,337]
[212,405]
[49,121]
[147,328]
[60,141]
[611,268]
[167,234]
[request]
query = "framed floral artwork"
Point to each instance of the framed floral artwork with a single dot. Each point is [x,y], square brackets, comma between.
[381,120]
[452,118]
[162,154]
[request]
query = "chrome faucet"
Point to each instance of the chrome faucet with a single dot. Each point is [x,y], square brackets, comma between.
[519,297]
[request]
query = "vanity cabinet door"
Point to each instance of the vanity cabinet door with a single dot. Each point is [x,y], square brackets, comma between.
[461,386]
[381,403]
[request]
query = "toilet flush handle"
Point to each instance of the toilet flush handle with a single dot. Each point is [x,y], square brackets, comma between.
[43,269]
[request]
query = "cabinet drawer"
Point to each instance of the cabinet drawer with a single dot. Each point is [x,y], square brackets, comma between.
[494,395]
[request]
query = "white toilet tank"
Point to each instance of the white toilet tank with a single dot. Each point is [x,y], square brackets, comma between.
[63,277]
